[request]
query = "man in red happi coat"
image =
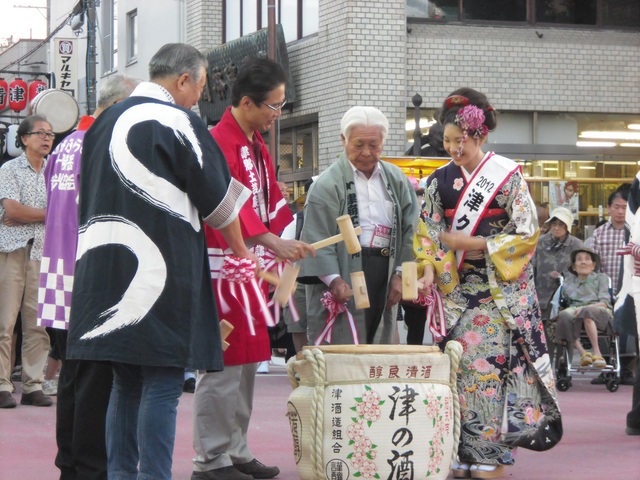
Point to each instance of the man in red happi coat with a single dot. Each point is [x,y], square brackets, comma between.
[223,400]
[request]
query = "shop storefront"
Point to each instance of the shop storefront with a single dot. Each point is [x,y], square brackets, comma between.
[570,159]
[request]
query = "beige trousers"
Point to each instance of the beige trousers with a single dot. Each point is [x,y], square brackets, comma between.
[222,408]
[19,279]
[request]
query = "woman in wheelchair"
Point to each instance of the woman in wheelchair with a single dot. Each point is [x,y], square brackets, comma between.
[587,298]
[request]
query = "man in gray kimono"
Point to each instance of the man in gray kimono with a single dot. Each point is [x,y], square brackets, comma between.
[380,199]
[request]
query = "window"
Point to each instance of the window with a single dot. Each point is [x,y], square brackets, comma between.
[299,18]
[496,11]
[595,13]
[109,28]
[620,13]
[132,36]
[572,12]
[298,153]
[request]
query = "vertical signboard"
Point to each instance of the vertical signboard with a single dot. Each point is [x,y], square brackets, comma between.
[66,65]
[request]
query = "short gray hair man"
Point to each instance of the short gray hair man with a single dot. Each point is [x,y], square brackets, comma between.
[175,59]
[116,89]
[364,117]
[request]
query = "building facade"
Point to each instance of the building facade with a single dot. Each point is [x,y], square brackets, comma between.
[562,74]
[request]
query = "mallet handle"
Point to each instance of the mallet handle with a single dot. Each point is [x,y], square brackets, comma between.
[332,240]
[269,277]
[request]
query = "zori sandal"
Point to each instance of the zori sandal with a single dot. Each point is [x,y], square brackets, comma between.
[586,359]
[461,469]
[487,471]
[598,362]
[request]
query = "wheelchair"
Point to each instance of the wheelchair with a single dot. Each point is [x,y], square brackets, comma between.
[608,341]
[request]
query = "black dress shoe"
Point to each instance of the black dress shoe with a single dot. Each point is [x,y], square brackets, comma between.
[37,399]
[599,380]
[627,377]
[633,431]
[257,469]
[189,385]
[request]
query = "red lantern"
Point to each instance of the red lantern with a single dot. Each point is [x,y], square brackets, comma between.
[4,93]
[35,88]
[18,95]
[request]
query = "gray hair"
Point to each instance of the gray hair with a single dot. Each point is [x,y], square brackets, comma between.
[364,117]
[115,89]
[174,59]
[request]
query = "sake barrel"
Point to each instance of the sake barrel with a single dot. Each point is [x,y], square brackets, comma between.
[374,411]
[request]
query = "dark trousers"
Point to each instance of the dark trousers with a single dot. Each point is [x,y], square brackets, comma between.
[415,317]
[375,273]
[633,417]
[84,388]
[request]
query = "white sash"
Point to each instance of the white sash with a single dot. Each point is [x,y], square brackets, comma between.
[480,190]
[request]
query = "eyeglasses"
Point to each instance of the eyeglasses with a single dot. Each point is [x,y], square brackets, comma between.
[276,106]
[42,134]
[557,224]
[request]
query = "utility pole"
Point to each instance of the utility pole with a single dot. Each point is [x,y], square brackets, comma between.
[274,131]
[90,7]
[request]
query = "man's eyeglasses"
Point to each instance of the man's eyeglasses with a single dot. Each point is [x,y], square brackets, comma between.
[42,134]
[276,106]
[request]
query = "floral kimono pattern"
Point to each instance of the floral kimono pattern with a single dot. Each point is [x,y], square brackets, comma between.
[507,393]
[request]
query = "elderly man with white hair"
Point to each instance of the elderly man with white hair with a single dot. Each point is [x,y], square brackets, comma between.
[380,199]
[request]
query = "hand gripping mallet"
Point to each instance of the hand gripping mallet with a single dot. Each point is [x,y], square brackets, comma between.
[348,234]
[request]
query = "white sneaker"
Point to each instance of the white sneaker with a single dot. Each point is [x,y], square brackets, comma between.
[50,387]
[263,367]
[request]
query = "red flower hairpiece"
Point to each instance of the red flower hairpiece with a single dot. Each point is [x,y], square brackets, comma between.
[470,119]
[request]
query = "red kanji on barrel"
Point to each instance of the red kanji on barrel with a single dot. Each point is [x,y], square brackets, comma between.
[18,95]
[4,93]
[35,88]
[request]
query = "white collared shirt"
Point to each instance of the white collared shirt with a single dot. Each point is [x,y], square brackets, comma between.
[374,208]
[374,203]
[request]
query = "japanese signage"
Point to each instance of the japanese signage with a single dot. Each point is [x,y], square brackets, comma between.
[383,417]
[65,65]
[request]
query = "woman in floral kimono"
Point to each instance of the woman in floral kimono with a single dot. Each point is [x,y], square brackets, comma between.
[475,240]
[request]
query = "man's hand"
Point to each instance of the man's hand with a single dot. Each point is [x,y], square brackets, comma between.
[292,250]
[340,290]
[395,291]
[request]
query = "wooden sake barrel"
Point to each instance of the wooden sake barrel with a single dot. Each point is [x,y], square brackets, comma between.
[374,411]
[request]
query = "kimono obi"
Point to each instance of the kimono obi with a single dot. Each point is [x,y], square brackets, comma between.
[488,213]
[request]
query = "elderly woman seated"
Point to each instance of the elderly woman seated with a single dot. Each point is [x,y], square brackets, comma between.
[588,299]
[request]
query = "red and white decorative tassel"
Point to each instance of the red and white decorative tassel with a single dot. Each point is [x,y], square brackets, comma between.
[239,276]
[435,313]
[333,310]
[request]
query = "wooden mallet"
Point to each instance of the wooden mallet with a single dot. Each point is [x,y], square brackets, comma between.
[225,329]
[348,234]
[409,281]
[270,278]
[287,283]
[359,287]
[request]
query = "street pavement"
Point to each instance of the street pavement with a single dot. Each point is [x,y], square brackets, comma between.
[594,445]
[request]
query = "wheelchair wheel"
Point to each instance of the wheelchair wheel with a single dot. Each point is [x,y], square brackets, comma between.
[564,384]
[612,385]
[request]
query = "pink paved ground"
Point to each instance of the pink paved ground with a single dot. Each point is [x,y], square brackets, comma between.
[594,445]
